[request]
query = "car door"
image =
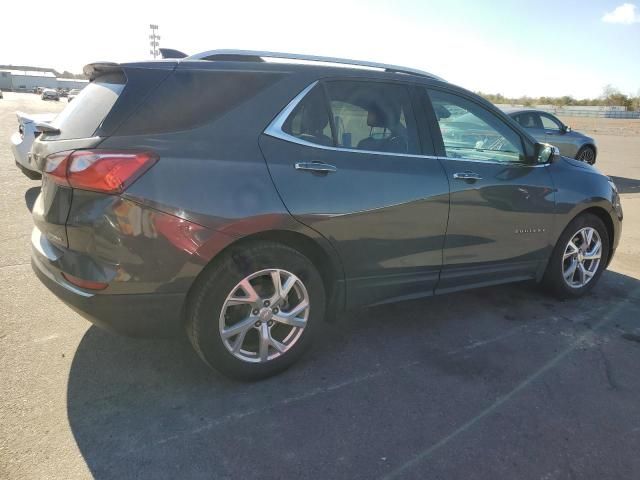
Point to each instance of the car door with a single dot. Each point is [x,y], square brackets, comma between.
[502,206]
[348,161]
[556,135]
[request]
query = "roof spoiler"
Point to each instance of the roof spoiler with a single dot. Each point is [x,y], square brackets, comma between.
[171,53]
[94,70]
[44,127]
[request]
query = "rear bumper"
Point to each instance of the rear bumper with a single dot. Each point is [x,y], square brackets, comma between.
[139,315]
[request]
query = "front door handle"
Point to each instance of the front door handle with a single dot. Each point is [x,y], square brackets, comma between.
[467,176]
[316,167]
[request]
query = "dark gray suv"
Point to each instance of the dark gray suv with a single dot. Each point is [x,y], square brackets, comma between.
[246,200]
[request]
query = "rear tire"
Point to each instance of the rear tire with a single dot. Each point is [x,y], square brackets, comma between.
[586,154]
[238,293]
[564,277]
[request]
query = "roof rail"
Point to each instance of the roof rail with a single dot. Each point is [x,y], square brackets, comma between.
[251,55]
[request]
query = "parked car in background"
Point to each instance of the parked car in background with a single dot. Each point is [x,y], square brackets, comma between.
[63,92]
[246,200]
[50,94]
[22,140]
[73,93]
[548,128]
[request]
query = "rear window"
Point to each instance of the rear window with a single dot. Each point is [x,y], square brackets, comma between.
[188,99]
[82,117]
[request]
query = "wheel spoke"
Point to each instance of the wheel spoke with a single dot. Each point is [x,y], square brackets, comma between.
[570,272]
[291,317]
[251,296]
[588,237]
[288,285]
[281,291]
[240,327]
[571,249]
[277,283]
[265,340]
[239,341]
[587,273]
[582,274]
[286,319]
[592,256]
[276,344]
[595,252]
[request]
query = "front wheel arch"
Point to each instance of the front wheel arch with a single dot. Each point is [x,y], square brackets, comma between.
[603,215]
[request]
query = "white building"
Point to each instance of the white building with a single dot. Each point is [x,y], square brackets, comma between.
[27,80]
[70,83]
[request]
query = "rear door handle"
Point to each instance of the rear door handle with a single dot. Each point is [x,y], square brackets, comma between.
[316,167]
[467,176]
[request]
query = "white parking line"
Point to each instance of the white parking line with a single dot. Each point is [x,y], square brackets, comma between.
[46,339]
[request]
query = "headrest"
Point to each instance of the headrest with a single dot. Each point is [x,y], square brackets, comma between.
[314,118]
[377,116]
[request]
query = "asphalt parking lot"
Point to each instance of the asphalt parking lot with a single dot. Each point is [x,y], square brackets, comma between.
[498,383]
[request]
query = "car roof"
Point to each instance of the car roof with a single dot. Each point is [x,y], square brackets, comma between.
[260,56]
[259,61]
[516,110]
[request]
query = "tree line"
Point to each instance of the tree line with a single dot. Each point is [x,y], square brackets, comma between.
[610,96]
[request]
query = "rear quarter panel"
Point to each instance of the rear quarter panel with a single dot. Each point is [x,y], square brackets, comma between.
[215,176]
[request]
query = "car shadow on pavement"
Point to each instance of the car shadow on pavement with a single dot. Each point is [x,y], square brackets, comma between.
[30,197]
[626,185]
[383,384]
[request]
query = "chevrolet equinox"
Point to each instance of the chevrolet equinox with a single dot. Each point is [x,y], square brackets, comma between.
[245,200]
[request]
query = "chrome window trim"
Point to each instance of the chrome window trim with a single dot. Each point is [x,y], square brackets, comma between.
[275,130]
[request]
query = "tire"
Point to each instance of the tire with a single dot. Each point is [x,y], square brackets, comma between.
[586,154]
[559,266]
[211,295]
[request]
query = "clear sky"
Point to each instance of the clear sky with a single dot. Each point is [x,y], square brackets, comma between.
[517,47]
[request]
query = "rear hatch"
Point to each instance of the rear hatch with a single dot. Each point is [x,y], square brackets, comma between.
[113,94]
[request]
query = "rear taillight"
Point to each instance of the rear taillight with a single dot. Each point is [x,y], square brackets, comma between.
[106,171]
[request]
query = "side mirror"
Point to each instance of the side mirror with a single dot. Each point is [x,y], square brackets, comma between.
[546,153]
[566,129]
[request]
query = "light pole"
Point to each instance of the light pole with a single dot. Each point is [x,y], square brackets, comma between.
[154,40]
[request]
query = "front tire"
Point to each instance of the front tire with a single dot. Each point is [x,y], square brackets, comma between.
[256,310]
[587,154]
[579,258]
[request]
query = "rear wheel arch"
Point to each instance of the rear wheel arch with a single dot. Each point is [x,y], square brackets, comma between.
[328,267]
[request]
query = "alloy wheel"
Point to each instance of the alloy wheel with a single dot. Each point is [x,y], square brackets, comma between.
[581,257]
[587,155]
[264,315]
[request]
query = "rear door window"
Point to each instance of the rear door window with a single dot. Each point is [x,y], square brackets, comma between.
[82,117]
[529,120]
[309,121]
[373,116]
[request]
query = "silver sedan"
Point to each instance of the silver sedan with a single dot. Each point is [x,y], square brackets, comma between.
[547,128]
